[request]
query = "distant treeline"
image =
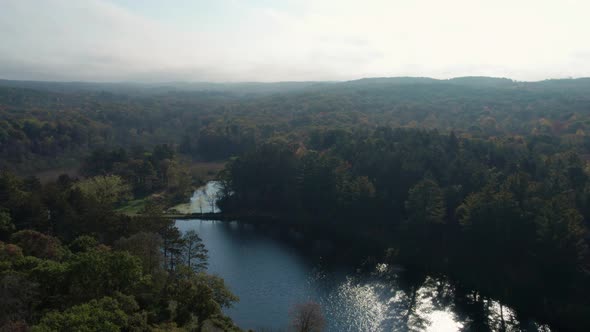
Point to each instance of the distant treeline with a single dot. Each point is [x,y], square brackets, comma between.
[39,120]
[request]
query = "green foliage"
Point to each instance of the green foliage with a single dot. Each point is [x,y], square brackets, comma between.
[425,204]
[193,251]
[6,224]
[147,247]
[425,212]
[561,237]
[102,315]
[94,287]
[83,243]
[42,122]
[10,255]
[221,294]
[145,171]
[133,208]
[199,296]
[105,190]
[98,273]
[18,296]
[52,278]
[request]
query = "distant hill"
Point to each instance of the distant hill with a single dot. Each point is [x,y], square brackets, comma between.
[258,88]
[143,88]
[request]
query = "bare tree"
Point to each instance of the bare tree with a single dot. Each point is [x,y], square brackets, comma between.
[212,199]
[307,317]
[200,199]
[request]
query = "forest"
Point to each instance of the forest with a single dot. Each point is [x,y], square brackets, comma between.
[497,215]
[71,262]
[485,180]
[48,125]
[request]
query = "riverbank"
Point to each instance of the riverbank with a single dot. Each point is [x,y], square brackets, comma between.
[259,219]
[344,245]
[271,268]
[367,246]
[371,241]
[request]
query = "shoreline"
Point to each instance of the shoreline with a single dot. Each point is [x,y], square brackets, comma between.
[220,216]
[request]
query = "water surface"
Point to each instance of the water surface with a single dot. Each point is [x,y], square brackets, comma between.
[270,273]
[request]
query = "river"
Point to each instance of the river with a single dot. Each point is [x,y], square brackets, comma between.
[271,270]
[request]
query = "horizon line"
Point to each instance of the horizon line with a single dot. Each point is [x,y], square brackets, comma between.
[289,81]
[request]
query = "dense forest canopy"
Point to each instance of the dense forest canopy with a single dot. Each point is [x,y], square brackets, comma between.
[70,261]
[506,218]
[41,120]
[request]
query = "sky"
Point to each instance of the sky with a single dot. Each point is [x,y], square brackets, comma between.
[292,40]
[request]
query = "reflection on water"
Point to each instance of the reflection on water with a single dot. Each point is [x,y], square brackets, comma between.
[204,198]
[270,276]
[380,302]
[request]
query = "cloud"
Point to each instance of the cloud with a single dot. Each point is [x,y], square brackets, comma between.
[87,40]
[296,40]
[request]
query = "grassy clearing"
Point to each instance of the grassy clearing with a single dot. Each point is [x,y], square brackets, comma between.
[203,171]
[133,207]
[183,208]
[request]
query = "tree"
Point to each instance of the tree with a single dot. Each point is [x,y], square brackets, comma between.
[172,247]
[317,182]
[18,296]
[221,293]
[497,237]
[51,276]
[425,204]
[264,179]
[560,237]
[83,243]
[200,195]
[356,196]
[105,190]
[97,273]
[425,211]
[104,315]
[10,252]
[6,225]
[200,205]
[193,251]
[146,246]
[151,219]
[212,199]
[38,244]
[199,295]
[307,317]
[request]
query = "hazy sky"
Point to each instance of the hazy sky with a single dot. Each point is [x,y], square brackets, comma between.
[278,40]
